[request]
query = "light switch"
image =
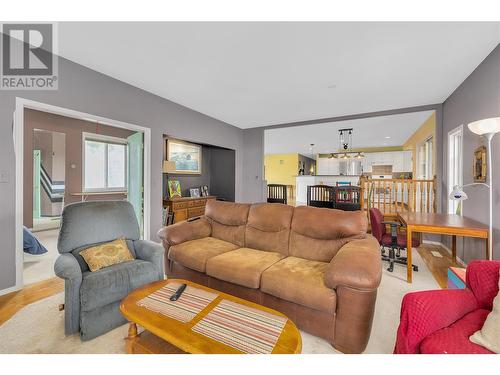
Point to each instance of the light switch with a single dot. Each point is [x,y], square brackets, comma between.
[4,177]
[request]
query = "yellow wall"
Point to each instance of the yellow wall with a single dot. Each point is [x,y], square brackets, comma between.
[427,129]
[281,168]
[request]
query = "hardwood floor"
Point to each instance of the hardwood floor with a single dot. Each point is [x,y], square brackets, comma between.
[437,265]
[11,303]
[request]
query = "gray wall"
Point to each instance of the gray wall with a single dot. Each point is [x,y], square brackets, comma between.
[192,181]
[254,185]
[478,97]
[222,173]
[217,172]
[85,90]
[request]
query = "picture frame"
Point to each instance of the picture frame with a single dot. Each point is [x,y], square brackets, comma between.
[204,191]
[194,192]
[174,189]
[186,156]
[479,165]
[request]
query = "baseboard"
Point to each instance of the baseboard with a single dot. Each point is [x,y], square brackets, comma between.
[9,290]
[438,243]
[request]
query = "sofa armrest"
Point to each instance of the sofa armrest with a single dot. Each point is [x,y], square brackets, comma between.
[151,252]
[423,313]
[185,231]
[356,265]
[355,273]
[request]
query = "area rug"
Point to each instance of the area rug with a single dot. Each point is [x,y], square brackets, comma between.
[39,327]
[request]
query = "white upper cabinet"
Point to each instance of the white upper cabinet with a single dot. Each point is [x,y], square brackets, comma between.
[401,161]
[327,166]
[398,162]
[408,161]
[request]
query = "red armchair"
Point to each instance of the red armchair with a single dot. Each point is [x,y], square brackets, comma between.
[441,321]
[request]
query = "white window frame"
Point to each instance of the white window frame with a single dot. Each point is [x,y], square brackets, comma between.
[455,166]
[429,166]
[109,140]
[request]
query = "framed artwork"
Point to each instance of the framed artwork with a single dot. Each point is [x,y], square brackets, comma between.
[479,165]
[195,192]
[186,156]
[174,189]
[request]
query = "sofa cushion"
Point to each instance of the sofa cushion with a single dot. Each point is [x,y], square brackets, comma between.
[194,254]
[113,283]
[300,281]
[318,233]
[242,266]
[268,227]
[228,220]
[455,338]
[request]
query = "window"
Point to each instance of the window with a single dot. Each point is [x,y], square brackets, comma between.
[104,163]
[455,165]
[425,160]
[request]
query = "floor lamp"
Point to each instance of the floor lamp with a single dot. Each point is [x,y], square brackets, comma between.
[488,128]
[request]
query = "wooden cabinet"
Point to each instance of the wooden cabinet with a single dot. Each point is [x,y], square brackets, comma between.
[187,208]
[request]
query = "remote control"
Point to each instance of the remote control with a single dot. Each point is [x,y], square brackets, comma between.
[178,293]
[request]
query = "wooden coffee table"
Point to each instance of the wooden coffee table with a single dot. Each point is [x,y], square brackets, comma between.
[167,335]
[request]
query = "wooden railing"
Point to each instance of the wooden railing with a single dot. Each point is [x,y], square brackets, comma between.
[391,196]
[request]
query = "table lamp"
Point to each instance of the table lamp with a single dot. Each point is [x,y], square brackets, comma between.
[168,166]
[488,128]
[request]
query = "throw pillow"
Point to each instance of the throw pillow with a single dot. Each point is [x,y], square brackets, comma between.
[107,254]
[489,335]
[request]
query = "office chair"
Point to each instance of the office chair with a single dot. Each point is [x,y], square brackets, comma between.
[394,241]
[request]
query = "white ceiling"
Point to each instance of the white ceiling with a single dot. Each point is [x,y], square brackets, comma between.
[368,132]
[258,74]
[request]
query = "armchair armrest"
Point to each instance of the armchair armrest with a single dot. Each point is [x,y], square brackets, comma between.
[67,267]
[423,313]
[185,231]
[357,265]
[152,252]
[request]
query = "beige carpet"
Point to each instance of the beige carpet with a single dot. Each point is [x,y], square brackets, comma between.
[41,267]
[39,327]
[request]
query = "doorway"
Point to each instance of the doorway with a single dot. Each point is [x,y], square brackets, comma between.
[49,173]
[48,150]
[121,158]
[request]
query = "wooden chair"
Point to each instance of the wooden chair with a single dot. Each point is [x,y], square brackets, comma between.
[347,198]
[320,196]
[276,193]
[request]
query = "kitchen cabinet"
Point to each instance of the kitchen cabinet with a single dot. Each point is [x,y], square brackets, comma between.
[397,162]
[408,161]
[401,161]
[327,166]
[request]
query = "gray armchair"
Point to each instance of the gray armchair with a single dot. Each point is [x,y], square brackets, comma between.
[92,299]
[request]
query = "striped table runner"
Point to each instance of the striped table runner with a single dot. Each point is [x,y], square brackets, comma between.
[244,328]
[191,302]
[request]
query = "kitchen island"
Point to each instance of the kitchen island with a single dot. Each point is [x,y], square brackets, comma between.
[302,182]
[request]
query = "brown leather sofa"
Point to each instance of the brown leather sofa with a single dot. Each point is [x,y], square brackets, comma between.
[316,265]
